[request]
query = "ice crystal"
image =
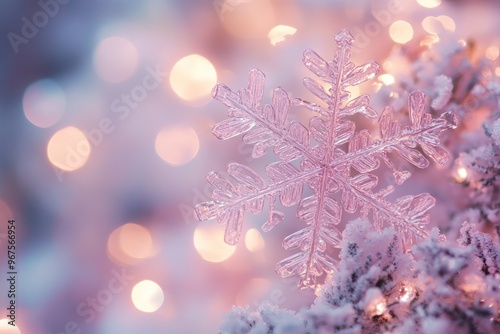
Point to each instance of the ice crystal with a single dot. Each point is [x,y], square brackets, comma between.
[331,157]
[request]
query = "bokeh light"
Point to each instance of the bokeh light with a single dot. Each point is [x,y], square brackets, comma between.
[386,79]
[145,71]
[44,103]
[429,40]
[68,149]
[115,59]
[254,241]
[5,328]
[177,145]
[407,295]
[129,243]
[193,77]
[380,308]
[460,174]
[248,19]
[147,296]
[278,33]
[472,283]
[401,32]
[209,243]
[435,25]
[429,3]
[429,24]
[447,22]
[136,241]
[353,90]
[492,52]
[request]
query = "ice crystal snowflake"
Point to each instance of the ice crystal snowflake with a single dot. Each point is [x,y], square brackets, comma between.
[331,158]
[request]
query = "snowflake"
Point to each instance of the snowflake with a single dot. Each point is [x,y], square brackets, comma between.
[331,158]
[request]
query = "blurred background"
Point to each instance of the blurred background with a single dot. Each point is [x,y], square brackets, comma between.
[105,126]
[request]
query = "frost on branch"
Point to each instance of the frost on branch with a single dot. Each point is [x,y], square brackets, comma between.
[369,260]
[451,72]
[480,164]
[437,287]
[486,249]
[330,156]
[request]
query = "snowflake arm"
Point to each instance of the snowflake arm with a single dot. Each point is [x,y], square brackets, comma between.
[244,190]
[263,127]
[408,213]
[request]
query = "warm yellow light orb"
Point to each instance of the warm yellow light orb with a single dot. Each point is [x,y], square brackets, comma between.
[461,175]
[386,79]
[429,3]
[177,145]
[401,32]
[6,328]
[193,77]
[147,296]
[278,33]
[135,240]
[447,22]
[209,243]
[492,52]
[129,243]
[68,149]
[407,295]
[254,241]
